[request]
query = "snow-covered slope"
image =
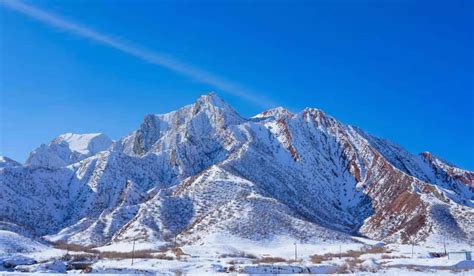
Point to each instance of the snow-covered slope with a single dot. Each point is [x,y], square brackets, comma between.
[6,162]
[67,149]
[11,242]
[204,170]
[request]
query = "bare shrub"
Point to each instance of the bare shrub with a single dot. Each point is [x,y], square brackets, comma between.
[178,252]
[74,247]
[239,254]
[376,250]
[141,254]
[234,262]
[353,262]
[352,254]
[350,265]
[163,257]
[269,260]
[317,259]
[88,253]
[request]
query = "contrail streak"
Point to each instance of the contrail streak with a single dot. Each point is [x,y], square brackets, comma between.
[143,54]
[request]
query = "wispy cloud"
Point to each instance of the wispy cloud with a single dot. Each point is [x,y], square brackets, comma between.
[149,56]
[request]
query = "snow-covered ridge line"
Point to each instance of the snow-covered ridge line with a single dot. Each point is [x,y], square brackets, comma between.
[6,162]
[204,169]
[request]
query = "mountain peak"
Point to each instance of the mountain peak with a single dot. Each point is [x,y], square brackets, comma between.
[84,143]
[68,148]
[212,100]
[314,111]
[275,112]
[216,107]
[208,111]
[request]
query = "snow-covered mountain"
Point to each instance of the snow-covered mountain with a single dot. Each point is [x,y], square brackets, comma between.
[205,170]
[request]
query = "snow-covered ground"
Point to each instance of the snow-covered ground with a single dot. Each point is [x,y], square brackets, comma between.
[221,254]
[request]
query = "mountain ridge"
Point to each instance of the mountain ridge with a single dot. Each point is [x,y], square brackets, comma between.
[204,169]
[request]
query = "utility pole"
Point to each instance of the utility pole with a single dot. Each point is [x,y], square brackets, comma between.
[133,250]
[340,251]
[296,252]
[445,252]
[412,250]
[67,252]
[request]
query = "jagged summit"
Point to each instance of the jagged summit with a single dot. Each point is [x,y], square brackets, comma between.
[209,114]
[212,99]
[275,112]
[217,109]
[203,169]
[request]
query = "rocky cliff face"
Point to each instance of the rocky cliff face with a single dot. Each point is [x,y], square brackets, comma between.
[204,169]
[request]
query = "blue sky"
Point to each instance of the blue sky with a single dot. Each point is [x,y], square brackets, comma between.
[402,70]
